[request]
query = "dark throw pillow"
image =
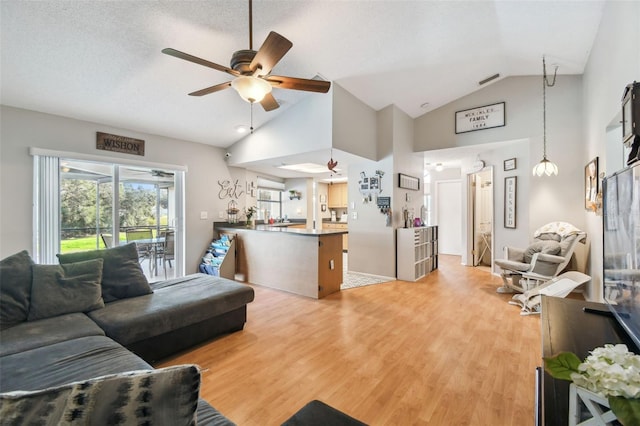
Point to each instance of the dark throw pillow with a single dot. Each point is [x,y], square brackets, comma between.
[15,289]
[547,247]
[122,276]
[65,289]
[167,396]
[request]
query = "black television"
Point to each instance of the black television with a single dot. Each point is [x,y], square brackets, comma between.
[621,248]
[630,113]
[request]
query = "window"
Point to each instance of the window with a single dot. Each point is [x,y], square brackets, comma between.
[269,198]
[269,203]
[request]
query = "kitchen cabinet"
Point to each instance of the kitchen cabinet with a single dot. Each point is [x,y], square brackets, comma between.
[417,252]
[338,195]
[335,225]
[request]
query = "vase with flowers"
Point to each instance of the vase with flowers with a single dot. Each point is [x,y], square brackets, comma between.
[611,372]
[249,212]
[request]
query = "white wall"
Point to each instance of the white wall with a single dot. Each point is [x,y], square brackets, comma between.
[22,129]
[613,63]
[306,127]
[297,209]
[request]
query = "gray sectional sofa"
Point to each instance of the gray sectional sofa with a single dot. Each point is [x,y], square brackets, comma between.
[77,339]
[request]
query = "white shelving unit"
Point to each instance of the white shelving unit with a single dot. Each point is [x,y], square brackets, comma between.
[417,252]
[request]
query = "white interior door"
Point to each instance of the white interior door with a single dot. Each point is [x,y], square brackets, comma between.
[449,216]
[483,218]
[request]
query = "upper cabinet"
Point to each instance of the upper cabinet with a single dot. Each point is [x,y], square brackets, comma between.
[338,195]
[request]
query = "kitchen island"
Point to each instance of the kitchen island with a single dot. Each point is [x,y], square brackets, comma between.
[305,261]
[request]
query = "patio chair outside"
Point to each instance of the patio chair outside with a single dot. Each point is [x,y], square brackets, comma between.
[145,250]
[168,250]
[107,240]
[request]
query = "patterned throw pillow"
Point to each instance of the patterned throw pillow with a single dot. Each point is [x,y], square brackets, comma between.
[122,276]
[167,396]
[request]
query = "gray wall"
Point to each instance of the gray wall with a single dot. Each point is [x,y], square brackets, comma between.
[614,62]
[22,129]
[354,125]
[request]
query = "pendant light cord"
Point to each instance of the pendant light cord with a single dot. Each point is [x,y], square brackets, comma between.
[545,83]
[251,117]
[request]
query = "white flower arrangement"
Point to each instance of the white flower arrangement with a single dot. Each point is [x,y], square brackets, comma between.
[611,371]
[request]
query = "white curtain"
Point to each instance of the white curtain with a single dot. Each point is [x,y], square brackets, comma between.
[46,209]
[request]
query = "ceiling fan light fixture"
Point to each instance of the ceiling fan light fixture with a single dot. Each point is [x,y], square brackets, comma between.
[251,89]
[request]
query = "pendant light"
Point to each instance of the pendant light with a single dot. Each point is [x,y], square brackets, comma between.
[545,167]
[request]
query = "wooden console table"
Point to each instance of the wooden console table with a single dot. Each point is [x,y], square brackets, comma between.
[567,328]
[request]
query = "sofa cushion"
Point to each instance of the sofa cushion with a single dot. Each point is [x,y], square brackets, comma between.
[179,303]
[64,362]
[15,288]
[122,276]
[64,289]
[35,334]
[547,247]
[164,396]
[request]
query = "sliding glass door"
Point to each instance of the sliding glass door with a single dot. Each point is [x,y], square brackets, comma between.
[86,205]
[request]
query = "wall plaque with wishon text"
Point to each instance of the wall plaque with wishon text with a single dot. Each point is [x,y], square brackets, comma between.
[108,142]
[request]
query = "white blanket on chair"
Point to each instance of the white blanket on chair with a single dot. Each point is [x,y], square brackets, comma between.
[563,229]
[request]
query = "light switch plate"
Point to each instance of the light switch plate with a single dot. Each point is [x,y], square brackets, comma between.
[354,215]
[204,215]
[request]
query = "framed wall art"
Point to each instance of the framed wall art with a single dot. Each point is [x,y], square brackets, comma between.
[510,190]
[509,164]
[408,182]
[480,118]
[591,185]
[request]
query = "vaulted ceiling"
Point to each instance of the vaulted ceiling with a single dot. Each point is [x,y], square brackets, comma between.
[101,60]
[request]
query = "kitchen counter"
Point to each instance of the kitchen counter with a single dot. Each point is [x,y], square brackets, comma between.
[303,261]
[298,231]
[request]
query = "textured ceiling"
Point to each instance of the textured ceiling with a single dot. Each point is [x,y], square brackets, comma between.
[101,61]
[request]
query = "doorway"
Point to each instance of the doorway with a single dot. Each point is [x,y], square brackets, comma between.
[481,209]
[449,216]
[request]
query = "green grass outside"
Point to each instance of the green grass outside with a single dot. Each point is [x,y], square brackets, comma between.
[84,243]
[87,243]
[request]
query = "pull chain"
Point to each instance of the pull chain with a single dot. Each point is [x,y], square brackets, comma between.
[251,117]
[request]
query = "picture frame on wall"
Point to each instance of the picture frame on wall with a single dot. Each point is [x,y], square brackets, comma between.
[591,185]
[510,192]
[408,182]
[509,164]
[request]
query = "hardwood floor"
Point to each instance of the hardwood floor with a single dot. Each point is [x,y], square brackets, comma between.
[447,350]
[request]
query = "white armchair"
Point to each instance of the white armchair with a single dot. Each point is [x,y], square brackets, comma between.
[547,256]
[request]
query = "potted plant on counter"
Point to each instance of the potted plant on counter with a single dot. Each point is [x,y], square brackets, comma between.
[249,212]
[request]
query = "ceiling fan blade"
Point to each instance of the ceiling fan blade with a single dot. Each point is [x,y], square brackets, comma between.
[305,84]
[272,50]
[269,103]
[211,89]
[181,55]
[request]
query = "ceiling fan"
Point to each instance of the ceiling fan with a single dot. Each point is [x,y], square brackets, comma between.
[252,71]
